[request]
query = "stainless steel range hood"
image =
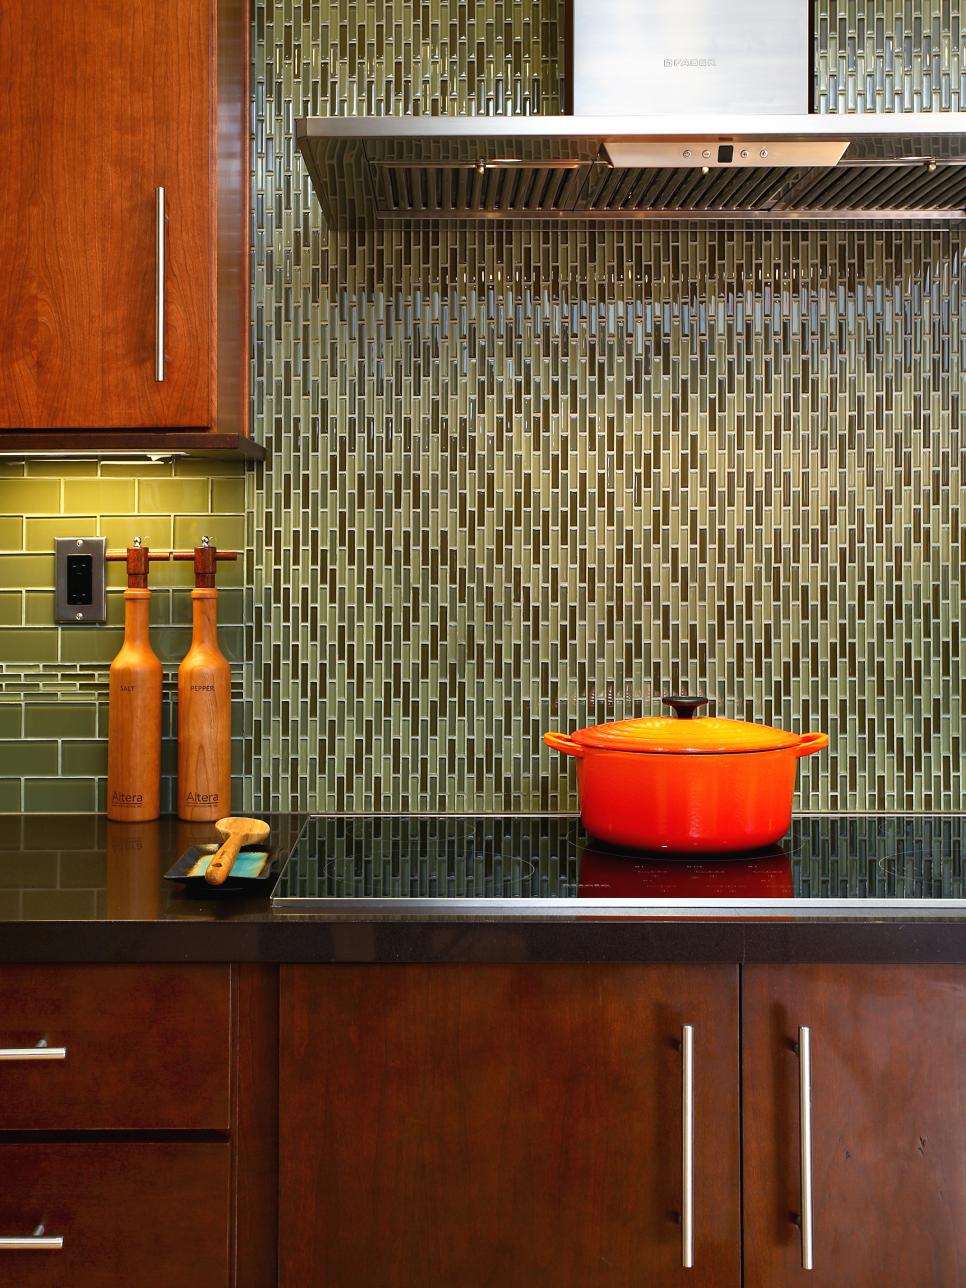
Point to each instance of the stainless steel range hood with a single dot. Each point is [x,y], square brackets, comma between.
[708,118]
[779,167]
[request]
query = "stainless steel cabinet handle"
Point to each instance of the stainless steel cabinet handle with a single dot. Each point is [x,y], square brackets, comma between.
[39,1052]
[159,289]
[687,1146]
[36,1242]
[805,1121]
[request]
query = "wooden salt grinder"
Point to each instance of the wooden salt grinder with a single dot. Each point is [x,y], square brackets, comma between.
[134,718]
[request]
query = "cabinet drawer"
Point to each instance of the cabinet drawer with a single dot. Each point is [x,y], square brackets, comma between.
[147,1047]
[128,1213]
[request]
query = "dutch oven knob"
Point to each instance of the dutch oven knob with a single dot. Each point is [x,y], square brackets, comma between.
[684,706]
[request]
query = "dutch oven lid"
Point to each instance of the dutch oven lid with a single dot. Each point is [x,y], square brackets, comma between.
[682,733]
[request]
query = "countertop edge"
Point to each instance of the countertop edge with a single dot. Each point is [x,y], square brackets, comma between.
[310,940]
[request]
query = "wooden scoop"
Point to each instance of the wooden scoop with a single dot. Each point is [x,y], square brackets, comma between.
[236,832]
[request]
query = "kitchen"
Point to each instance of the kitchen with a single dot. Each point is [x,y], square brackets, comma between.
[518,425]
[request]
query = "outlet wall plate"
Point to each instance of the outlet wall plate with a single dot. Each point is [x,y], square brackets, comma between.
[79,583]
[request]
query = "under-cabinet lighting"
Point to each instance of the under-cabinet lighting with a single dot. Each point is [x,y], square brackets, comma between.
[117,456]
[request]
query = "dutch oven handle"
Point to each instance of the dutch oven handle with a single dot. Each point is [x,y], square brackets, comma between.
[561,742]
[684,706]
[811,742]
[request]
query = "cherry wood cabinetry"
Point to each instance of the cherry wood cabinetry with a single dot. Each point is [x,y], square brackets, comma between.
[144,1133]
[144,1212]
[888,1139]
[415,1126]
[106,104]
[505,1125]
[128,1034]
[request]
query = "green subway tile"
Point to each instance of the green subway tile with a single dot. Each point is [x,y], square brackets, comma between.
[120,531]
[61,469]
[19,644]
[231,606]
[171,642]
[170,496]
[90,643]
[17,571]
[99,496]
[232,642]
[61,719]
[39,608]
[11,799]
[134,470]
[11,532]
[59,795]
[192,467]
[29,496]
[82,758]
[40,533]
[227,496]
[11,608]
[11,719]
[224,532]
[21,756]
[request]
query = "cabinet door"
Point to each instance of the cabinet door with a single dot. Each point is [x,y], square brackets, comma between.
[888,1139]
[505,1125]
[128,1212]
[104,103]
[138,1048]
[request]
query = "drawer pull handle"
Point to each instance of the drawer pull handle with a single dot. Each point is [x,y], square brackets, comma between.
[805,1120]
[39,1052]
[687,1146]
[159,215]
[36,1242]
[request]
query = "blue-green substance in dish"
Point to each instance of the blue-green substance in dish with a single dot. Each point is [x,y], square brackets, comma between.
[250,863]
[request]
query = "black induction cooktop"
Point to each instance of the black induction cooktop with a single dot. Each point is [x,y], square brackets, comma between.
[542,865]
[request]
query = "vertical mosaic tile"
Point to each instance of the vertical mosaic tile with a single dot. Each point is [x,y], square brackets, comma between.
[523,476]
[889,56]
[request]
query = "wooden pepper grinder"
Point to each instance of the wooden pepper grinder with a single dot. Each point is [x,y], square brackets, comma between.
[134,718]
[204,701]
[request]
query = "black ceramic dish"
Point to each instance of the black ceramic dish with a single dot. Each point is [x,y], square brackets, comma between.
[254,873]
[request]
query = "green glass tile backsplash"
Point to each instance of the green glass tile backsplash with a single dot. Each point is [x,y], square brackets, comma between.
[53,679]
[523,477]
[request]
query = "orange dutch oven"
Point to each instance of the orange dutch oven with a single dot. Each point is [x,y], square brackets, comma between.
[684,784]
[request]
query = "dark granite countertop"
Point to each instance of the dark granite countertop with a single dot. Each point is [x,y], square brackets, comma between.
[79,889]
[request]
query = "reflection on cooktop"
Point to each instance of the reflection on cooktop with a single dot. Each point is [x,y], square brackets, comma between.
[483,857]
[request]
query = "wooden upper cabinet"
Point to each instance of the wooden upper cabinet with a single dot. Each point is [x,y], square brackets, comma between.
[105,105]
[505,1125]
[888,1079]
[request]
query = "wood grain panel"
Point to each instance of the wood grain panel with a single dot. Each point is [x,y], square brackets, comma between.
[147,1048]
[255,1126]
[504,1125]
[129,1213]
[103,103]
[889,1125]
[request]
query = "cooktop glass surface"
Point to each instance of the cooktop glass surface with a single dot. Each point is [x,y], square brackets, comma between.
[548,864]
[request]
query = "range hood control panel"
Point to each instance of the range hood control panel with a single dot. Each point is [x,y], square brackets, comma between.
[704,154]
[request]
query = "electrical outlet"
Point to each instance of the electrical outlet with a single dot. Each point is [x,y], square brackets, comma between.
[79,592]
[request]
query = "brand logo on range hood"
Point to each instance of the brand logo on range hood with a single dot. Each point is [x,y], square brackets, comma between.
[690,62]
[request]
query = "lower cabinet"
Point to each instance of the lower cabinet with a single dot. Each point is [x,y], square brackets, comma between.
[138,1126]
[128,1212]
[506,1126]
[887,1049]
[510,1126]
